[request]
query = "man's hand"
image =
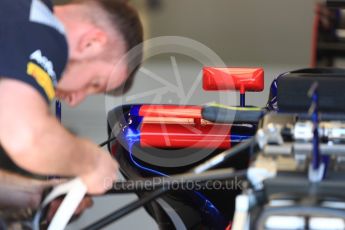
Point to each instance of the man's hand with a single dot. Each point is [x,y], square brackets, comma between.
[22,193]
[101,178]
[54,206]
[18,192]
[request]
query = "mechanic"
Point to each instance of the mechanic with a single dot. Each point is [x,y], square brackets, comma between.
[78,52]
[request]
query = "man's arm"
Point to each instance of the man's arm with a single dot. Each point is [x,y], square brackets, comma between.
[36,141]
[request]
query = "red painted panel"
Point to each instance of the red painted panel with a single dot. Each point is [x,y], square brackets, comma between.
[241,79]
[170,111]
[185,136]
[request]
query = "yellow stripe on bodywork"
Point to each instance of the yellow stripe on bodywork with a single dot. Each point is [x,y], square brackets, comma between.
[235,108]
[42,78]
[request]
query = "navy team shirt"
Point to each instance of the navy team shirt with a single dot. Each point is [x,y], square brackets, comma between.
[33,50]
[33,47]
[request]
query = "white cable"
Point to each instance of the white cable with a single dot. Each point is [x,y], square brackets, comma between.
[75,191]
[241,217]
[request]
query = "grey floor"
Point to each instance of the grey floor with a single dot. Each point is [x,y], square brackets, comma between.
[89,120]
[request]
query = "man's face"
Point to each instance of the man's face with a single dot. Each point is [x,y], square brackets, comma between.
[96,58]
[83,79]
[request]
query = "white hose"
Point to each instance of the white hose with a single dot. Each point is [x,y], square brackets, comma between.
[75,190]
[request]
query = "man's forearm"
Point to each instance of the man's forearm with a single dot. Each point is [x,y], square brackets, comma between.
[35,140]
[55,151]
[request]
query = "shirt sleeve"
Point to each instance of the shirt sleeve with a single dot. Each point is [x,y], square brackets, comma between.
[33,53]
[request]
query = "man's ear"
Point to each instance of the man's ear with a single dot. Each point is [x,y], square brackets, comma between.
[92,43]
